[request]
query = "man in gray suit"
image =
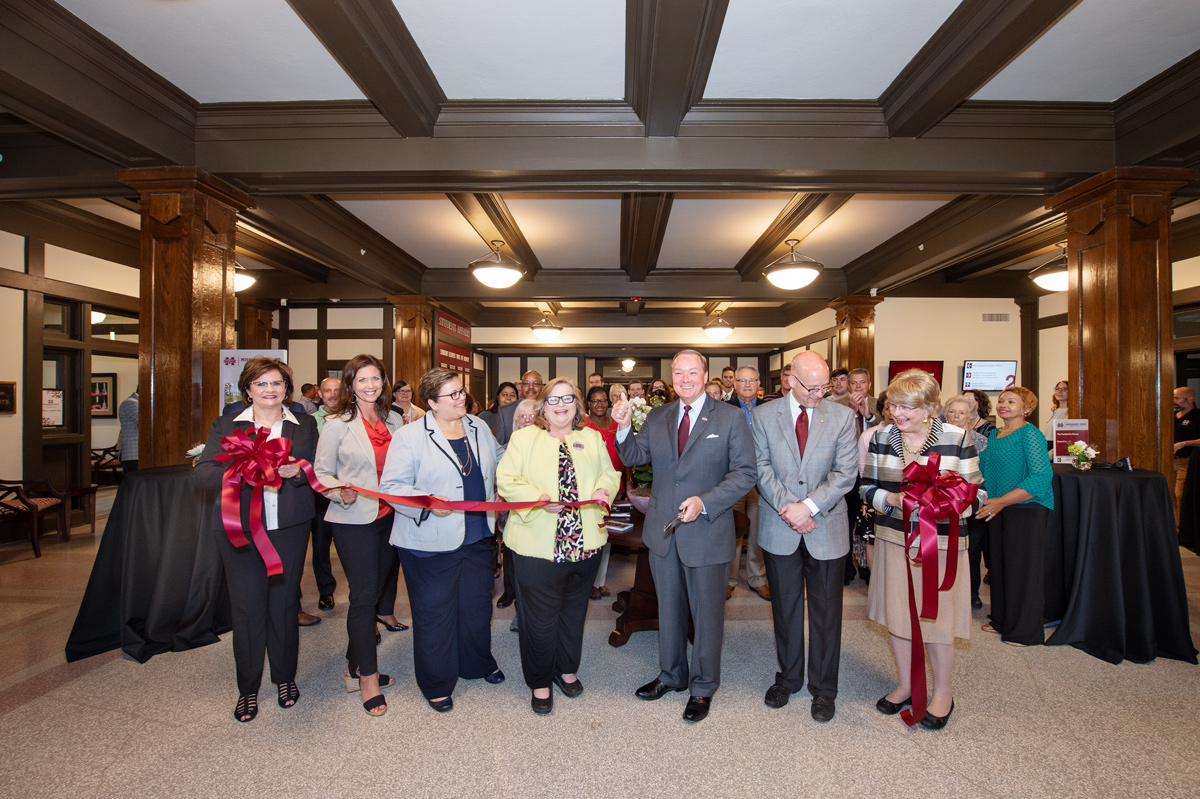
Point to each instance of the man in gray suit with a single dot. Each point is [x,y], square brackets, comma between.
[530,386]
[703,458]
[807,451]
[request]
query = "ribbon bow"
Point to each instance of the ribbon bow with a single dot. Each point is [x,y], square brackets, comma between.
[940,497]
[254,461]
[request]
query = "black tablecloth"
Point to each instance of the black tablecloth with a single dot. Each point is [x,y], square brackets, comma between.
[1113,573]
[157,584]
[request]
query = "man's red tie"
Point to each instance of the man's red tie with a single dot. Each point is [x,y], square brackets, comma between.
[685,427]
[802,429]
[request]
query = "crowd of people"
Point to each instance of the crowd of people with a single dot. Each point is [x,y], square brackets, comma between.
[817,469]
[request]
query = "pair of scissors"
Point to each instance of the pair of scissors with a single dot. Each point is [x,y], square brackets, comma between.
[670,526]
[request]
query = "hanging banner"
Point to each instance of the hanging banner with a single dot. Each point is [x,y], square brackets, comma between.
[453,327]
[456,359]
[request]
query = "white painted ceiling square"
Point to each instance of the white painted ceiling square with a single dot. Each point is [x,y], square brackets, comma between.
[715,231]
[568,232]
[426,226]
[864,222]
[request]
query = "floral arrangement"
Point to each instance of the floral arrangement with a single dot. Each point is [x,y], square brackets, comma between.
[195,452]
[1084,453]
[644,474]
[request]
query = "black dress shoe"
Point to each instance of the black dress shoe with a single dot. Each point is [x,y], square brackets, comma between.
[542,706]
[569,689]
[654,689]
[822,708]
[392,628]
[892,708]
[697,708]
[932,722]
[442,705]
[976,602]
[325,602]
[777,696]
[495,678]
[505,600]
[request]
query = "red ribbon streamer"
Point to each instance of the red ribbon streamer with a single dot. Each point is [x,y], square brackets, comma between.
[940,497]
[255,461]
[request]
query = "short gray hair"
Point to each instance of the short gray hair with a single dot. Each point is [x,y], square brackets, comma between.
[751,368]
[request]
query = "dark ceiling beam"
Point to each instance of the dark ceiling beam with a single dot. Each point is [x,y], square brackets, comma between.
[1185,239]
[1039,238]
[976,41]
[615,317]
[669,48]
[373,45]
[1010,285]
[279,256]
[960,228]
[1158,123]
[66,78]
[74,229]
[632,307]
[803,214]
[802,309]
[37,165]
[327,233]
[644,218]
[489,215]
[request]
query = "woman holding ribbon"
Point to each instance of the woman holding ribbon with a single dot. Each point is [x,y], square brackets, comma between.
[447,554]
[556,547]
[354,443]
[265,602]
[1017,470]
[919,437]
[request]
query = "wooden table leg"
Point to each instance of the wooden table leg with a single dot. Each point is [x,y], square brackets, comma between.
[638,606]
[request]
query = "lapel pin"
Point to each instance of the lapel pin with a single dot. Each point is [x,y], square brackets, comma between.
[578,445]
[704,418]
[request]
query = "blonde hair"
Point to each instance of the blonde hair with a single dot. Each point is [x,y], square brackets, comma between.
[540,420]
[916,389]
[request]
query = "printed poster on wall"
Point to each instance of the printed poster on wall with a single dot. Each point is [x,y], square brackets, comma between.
[232,363]
[1066,433]
[456,359]
[52,407]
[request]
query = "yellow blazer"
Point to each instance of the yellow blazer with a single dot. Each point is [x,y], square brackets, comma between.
[529,469]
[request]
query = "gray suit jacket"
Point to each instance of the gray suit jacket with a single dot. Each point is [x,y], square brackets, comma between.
[421,461]
[504,422]
[345,456]
[717,465]
[825,475]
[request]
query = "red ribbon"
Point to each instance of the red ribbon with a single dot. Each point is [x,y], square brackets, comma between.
[255,461]
[940,497]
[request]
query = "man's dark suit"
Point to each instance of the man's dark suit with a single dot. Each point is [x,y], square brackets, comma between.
[504,422]
[691,565]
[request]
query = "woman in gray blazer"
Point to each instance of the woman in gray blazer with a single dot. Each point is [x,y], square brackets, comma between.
[353,446]
[448,557]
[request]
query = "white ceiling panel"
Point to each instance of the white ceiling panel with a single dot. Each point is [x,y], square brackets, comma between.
[570,232]
[109,211]
[426,226]
[864,222]
[714,232]
[522,49]
[222,50]
[816,49]
[1101,50]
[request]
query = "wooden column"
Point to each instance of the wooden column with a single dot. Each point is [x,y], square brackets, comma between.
[1030,365]
[1120,360]
[415,335]
[255,321]
[855,332]
[189,221]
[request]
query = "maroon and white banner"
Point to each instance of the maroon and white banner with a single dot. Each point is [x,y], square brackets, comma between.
[456,359]
[453,326]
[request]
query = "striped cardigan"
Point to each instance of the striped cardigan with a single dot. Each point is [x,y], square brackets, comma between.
[884,472]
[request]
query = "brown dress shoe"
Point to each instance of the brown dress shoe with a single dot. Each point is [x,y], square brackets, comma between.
[728,592]
[308,620]
[763,591]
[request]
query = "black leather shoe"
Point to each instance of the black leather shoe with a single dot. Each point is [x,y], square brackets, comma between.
[932,722]
[697,708]
[442,705]
[325,602]
[569,689]
[823,708]
[654,690]
[542,706]
[495,678]
[505,600]
[393,628]
[976,602]
[777,696]
[892,708]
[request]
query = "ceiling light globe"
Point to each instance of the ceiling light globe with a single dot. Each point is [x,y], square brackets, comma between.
[546,333]
[792,279]
[496,277]
[1053,281]
[241,280]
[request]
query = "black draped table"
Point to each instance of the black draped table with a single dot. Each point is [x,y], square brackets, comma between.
[157,584]
[1114,578]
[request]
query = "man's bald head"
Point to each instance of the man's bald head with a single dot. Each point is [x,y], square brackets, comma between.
[330,387]
[809,369]
[1185,399]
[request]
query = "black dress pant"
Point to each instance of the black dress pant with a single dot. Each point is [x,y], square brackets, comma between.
[977,531]
[1017,539]
[386,605]
[552,604]
[789,576]
[853,508]
[265,608]
[450,594]
[366,558]
[322,537]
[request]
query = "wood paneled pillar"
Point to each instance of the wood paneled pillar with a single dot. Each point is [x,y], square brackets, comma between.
[189,221]
[415,335]
[256,322]
[1030,340]
[1120,360]
[855,332]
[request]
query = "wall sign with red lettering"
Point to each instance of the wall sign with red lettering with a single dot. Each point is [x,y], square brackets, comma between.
[453,327]
[456,359]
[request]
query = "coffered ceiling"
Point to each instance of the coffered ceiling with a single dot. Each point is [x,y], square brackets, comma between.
[645,159]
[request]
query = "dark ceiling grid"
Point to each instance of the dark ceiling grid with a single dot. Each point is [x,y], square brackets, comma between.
[644,217]
[803,214]
[492,220]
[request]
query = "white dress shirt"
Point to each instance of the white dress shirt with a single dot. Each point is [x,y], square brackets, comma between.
[794,406]
[270,494]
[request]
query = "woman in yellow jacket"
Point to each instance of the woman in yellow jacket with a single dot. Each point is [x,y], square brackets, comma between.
[556,550]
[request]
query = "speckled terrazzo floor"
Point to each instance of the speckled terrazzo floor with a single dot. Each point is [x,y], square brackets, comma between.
[1050,721]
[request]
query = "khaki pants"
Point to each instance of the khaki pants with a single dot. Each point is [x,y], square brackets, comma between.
[756,571]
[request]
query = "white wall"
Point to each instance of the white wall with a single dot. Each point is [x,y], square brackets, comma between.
[675,338]
[810,324]
[302,358]
[1052,352]
[12,252]
[1185,274]
[12,330]
[948,330]
[85,270]
[106,429]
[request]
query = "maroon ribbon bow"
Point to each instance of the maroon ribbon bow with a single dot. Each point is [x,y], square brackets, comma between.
[254,461]
[940,497]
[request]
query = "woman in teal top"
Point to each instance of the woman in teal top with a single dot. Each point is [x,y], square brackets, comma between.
[1016,473]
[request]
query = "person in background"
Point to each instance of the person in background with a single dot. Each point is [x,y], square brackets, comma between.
[402,396]
[859,400]
[1017,472]
[521,419]
[1058,410]
[616,392]
[713,389]
[1187,436]
[839,392]
[595,379]
[506,394]
[309,397]
[598,419]
[127,440]
[957,411]
[530,386]
[556,549]
[728,383]
[785,384]
[659,389]
[981,412]
[636,389]
[265,609]
[746,399]
[322,529]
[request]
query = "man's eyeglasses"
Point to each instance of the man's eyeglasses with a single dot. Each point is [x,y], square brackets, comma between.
[275,384]
[565,399]
[598,401]
[532,383]
[813,389]
[454,395]
[746,380]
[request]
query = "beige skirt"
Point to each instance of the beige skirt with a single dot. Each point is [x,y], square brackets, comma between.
[887,596]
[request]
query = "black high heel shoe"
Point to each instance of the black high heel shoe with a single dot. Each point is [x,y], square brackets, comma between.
[246,708]
[932,722]
[289,694]
[392,628]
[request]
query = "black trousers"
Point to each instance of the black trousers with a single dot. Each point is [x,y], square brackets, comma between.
[789,576]
[977,531]
[552,605]
[450,594]
[265,608]
[386,605]
[853,507]
[366,558]
[322,537]
[1017,539]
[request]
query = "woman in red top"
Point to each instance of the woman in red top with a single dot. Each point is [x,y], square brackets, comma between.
[599,420]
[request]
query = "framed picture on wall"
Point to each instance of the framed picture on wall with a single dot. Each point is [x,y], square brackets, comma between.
[8,398]
[104,395]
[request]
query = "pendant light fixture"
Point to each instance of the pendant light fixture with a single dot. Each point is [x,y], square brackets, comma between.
[794,270]
[1052,275]
[718,328]
[497,270]
[628,364]
[545,328]
[241,278]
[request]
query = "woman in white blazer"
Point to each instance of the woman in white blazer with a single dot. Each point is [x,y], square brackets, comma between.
[448,557]
[353,447]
